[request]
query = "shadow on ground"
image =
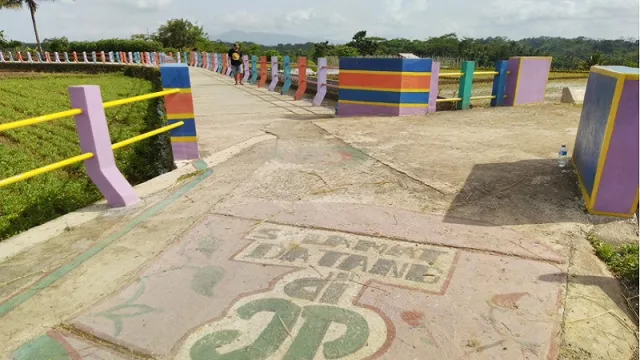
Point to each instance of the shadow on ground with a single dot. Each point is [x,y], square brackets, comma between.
[609,285]
[517,193]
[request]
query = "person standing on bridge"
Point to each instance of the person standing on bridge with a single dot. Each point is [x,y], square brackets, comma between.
[236,63]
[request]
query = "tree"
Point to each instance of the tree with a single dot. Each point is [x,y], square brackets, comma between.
[364,45]
[32,5]
[180,34]
[345,51]
[60,44]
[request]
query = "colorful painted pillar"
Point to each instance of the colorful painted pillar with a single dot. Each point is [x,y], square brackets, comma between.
[75,57]
[29,58]
[40,60]
[156,57]
[103,57]
[93,133]
[179,57]
[130,54]
[184,140]
[527,80]
[254,69]
[94,57]
[466,84]
[47,56]
[20,59]
[214,58]
[56,56]
[245,65]
[220,63]
[499,83]
[606,148]
[66,57]
[111,57]
[1,57]
[274,73]
[263,71]
[286,67]
[374,86]
[321,77]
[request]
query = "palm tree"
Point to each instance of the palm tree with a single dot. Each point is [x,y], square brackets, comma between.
[33,7]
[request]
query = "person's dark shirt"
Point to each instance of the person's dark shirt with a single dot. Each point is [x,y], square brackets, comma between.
[236,57]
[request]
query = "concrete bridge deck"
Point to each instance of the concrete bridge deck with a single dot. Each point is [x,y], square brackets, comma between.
[300,236]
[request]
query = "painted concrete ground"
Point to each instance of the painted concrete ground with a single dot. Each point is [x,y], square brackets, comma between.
[305,246]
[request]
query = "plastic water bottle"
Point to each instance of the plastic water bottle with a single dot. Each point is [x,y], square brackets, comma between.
[563,159]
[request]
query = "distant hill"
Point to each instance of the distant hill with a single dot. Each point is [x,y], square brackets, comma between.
[262,38]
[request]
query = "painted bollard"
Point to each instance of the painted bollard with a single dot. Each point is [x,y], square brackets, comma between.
[286,67]
[254,69]
[527,80]
[434,86]
[370,86]
[56,56]
[40,60]
[499,83]
[274,73]
[606,149]
[220,63]
[94,57]
[321,82]
[245,66]
[184,139]
[214,58]
[93,133]
[224,63]
[263,71]
[465,85]
[29,58]
[130,54]
[1,57]
[302,78]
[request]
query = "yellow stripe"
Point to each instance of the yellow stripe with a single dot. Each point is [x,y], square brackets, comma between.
[585,194]
[384,89]
[179,139]
[382,104]
[515,95]
[372,72]
[181,91]
[611,73]
[181,116]
[607,139]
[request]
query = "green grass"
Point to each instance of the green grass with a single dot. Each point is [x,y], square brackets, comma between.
[40,199]
[622,260]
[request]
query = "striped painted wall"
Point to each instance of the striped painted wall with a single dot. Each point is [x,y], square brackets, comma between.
[374,86]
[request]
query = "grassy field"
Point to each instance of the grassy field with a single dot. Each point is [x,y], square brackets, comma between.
[40,199]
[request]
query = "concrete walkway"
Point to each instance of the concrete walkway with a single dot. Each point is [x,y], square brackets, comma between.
[295,245]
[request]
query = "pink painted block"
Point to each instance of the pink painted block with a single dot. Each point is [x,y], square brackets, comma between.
[93,132]
[274,73]
[247,71]
[527,80]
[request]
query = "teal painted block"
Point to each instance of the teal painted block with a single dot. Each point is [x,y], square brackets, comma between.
[94,57]
[254,69]
[287,75]
[466,83]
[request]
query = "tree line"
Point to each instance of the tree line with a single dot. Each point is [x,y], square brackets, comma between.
[183,35]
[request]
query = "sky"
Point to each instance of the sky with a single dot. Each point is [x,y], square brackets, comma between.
[335,20]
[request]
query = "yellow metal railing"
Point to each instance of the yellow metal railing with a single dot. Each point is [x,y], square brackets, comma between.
[79,158]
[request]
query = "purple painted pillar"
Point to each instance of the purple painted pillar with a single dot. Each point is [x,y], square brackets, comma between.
[321,82]
[245,65]
[274,73]
[433,87]
[526,80]
[94,137]
[215,62]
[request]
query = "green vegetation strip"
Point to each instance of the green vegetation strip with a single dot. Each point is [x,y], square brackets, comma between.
[38,200]
[622,260]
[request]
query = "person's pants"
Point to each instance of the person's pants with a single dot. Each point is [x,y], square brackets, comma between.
[236,69]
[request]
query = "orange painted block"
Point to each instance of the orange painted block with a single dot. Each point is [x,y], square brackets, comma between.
[387,81]
[179,104]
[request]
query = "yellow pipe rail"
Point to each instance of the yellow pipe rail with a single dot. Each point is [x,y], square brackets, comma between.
[45,169]
[486,97]
[451,74]
[40,119]
[114,103]
[486,73]
[146,135]
[449,100]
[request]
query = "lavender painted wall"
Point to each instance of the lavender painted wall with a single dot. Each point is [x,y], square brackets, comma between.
[533,74]
[512,78]
[619,181]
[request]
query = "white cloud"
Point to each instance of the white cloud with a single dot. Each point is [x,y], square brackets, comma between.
[336,19]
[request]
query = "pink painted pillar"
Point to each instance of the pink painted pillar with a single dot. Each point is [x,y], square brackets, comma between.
[322,82]
[93,132]
[274,73]
[245,65]
[433,87]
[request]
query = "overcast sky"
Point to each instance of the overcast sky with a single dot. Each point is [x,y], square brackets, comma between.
[333,19]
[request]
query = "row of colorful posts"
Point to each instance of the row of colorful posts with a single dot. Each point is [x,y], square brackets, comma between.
[111,57]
